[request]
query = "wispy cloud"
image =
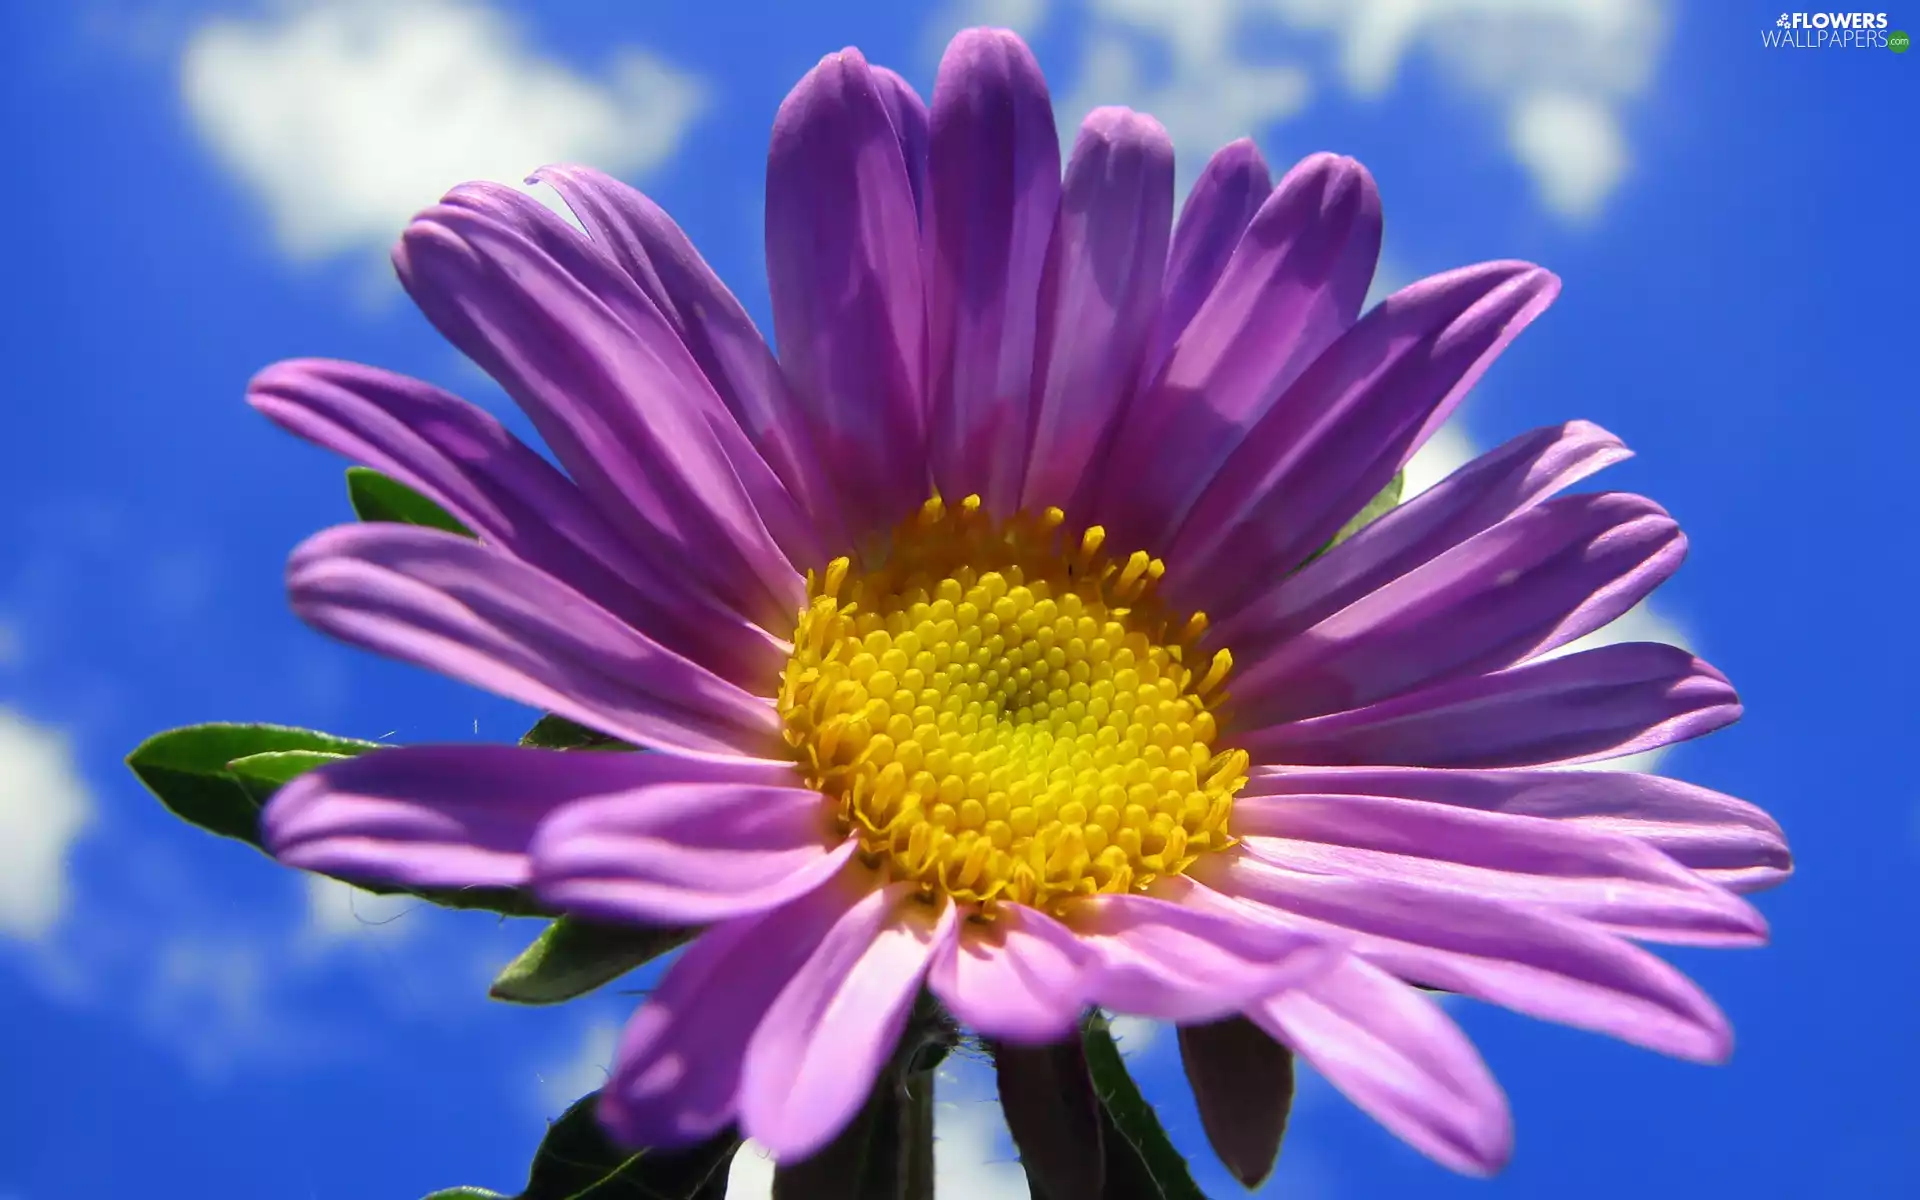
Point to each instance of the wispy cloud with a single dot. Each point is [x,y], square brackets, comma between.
[341,914]
[236,988]
[344,117]
[1559,72]
[216,1000]
[584,1070]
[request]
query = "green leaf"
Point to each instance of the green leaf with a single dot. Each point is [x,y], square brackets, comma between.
[1387,500]
[1142,1163]
[558,733]
[190,771]
[377,497]
[576,1161]
[573,957]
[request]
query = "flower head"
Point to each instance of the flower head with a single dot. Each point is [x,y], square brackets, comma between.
[980,640]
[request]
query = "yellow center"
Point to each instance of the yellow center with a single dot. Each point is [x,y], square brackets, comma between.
[1003,713]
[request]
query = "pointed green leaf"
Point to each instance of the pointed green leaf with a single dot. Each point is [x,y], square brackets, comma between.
[572,957]
[558,733]
[1141,1162]
[188,769]
[1379,506]
[377,497]
[467,1193]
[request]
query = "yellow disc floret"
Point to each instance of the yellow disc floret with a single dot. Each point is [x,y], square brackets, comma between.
[1003,712]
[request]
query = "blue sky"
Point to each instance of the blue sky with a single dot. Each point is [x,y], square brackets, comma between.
[202,190]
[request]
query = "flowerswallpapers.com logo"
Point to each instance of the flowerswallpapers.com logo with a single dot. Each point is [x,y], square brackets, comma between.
[1834,31]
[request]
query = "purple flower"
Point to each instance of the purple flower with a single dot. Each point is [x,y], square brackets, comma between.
[971,636]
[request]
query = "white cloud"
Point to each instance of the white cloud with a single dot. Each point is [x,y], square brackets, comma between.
[1559,73]
[347,116]
[44,808]
[1574,147]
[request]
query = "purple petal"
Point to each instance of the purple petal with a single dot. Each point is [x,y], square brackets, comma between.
[456,816]
[646,244]
[1231,188]
[686,854]
[813,1061]
[843,265]
[1609,878]
[1293,285]
[677,1075]
[1160,959]
[907,113]
[1515,955]
[1729,841]
[1099,296]
[469,464]
[1500,483]
[1345,426]
[993,189]
[610,387]
[468,611]
[1602,703]
[1396,1054]
[1021,977]
[1533,582]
